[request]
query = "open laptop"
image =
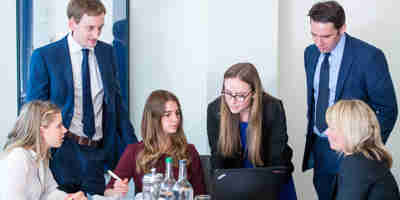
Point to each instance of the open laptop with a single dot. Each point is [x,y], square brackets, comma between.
[248,183]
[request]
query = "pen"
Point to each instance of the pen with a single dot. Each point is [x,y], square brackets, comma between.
[114,175]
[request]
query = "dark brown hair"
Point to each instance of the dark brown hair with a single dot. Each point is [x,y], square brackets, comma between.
[77,8]
[152,129]
[328,11]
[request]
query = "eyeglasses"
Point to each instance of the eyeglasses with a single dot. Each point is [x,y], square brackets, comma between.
[238,97]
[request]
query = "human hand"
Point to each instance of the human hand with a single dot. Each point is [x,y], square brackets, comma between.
[120,188]
[76,196]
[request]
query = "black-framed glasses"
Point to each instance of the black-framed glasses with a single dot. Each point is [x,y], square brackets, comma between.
[238,97]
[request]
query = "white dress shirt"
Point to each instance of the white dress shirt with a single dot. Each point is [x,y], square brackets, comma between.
[25,179]
[96,84]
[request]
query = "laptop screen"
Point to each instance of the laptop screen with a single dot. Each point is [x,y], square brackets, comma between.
[249,183]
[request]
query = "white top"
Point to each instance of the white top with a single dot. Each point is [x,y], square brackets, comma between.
[23,179]
[76,127]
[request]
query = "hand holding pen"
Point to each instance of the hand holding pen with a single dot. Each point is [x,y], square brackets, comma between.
[120,186]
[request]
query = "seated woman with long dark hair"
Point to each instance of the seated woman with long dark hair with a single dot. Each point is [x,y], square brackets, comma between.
[364,172]
[163,136]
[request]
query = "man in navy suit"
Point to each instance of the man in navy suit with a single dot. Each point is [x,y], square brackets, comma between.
[339,66]
[78,73]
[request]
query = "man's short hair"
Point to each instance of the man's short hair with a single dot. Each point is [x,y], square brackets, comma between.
[77,8]
[328,11]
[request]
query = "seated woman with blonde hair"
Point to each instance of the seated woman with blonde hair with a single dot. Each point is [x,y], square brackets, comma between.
[24,164]
[364,173]
[163,136]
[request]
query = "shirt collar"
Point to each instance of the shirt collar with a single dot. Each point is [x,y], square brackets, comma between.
[338,50]
[73,45]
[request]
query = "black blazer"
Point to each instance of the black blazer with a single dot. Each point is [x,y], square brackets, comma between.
[275,150]
[362,178]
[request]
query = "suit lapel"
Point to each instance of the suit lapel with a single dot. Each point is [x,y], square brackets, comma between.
[313,66]
[345,66]
[66,58]
[314,62]
[101,60]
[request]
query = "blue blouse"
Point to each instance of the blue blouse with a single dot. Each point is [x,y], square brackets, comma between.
[243,140]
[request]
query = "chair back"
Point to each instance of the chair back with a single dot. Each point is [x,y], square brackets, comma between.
[207,171]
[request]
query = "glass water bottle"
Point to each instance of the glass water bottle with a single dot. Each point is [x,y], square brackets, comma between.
[182,189]
[151,185]
[168,182]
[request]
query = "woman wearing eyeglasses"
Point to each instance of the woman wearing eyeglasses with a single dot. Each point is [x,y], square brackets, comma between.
[246,127]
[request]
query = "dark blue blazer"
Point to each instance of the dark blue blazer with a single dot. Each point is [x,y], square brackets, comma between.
[363,75]
[50,78]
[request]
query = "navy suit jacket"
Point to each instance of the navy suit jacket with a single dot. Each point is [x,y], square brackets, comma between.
[50,78]
[363,75]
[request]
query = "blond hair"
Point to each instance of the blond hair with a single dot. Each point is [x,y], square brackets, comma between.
[360,128]
[229,136]
[151,130]
[26,131]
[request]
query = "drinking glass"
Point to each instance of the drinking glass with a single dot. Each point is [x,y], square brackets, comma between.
[139,196]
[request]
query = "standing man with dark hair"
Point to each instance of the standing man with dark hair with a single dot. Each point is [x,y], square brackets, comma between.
[339,66]
[78,73]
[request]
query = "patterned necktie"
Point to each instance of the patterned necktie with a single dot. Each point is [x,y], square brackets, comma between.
[88,113]
[323,95]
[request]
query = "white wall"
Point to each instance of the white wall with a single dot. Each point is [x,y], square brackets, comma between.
[8,65]
[293,37]
[185,46]
[375,22]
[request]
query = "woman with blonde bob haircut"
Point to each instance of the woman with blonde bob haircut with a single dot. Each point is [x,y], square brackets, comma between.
[163,136]
[364,173]
[24,164]
[246,126]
